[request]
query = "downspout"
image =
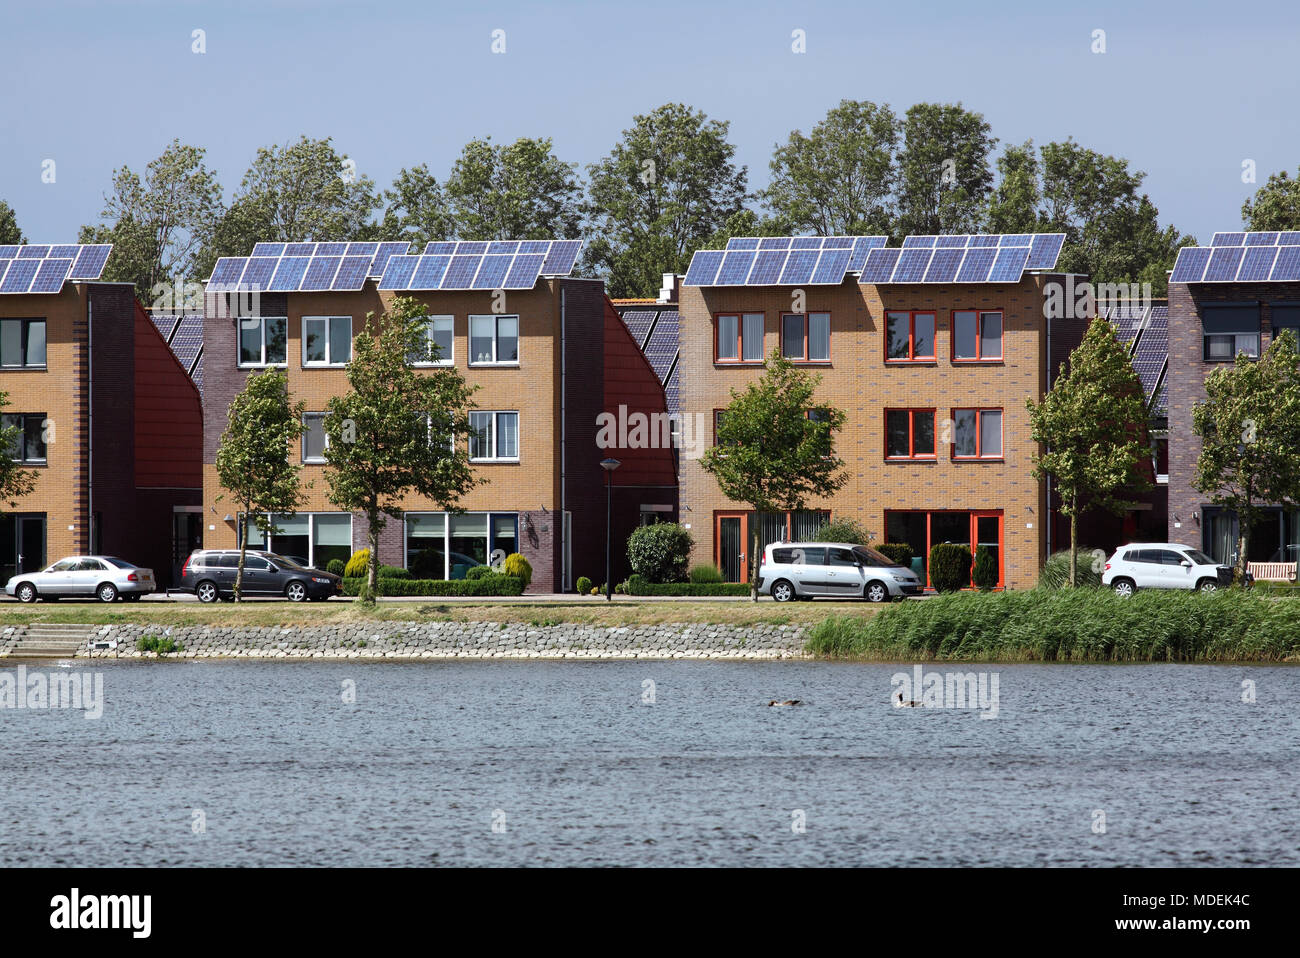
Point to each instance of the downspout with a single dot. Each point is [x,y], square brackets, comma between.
[564,447]
[1047,502]
[90,423]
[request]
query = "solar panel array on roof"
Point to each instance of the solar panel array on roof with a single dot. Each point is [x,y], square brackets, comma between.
[165,324]
[639,323]
[188,339]
[672,392]
[45,268]
[306,267]
[781,261]
[1126,320]
[657,330]
[481,264]
[1255,257]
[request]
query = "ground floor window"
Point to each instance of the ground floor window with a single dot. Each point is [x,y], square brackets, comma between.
[923,529]
[442,545]
[1275,538]
[22,544]
[731,539]
[311,539]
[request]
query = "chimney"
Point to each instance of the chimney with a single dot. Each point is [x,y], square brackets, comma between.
[671,285]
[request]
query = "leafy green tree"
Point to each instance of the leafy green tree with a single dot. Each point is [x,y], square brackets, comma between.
[416,208]
[944,178]
[746,223]
[253,462]
[15,482]
[159,222]
[842,530]
[838,179]
[663,190]
[1275,205]
[1249,427]
[393,433]
[10,234]
[1014,203]
[519,191]
[770,453]
[1093,425]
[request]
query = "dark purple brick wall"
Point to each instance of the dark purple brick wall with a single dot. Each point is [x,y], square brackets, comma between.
[584,368]
[112,372]
[222,377]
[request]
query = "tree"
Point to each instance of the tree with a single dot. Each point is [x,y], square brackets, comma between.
[776,447]
[1275,205]
[746,223]
[520,191]
[393,433]
[943,170]
[660,193]
[1014,203]
[1249,427]
[416,208]
[253,463]
[838,179]
[10,234]
[14,481]
[1093,425]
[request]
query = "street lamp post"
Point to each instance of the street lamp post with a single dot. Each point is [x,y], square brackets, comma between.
[609,465]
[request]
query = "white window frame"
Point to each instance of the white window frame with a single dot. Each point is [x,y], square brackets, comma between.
[449,358]
[496,335]
[492,435]
[446,534]
[268,541]
[303,441]
[239,340]
[329,341]
[428,432]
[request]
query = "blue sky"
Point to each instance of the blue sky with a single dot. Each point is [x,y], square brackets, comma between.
[1186,91]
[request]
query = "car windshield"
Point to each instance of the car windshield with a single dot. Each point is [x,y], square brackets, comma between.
[872,558]
[1200,558]
[120,563]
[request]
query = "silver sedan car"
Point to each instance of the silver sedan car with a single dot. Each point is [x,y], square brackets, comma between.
[83,577]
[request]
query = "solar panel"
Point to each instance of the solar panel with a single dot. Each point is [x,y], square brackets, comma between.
[1287,267]
[743,242]
[799,266]
[832,266]
[385,252]
[1159,319]
[329,249]
[1241,257]
[704,267]
[460,273]
[50,275]
[912,265]
[879,266]
[352,273]
[1190,265]
[809,242]
[919,242]
[639,322]
[535,246]
[1228,239]
[471,248]
[367,250]
[767,267]
[69,251]
[1010,265]
[257,272]
[983,240]
[1261,239]
[9,252]
[90,261]
[943,266]
[976,264]
[862,246]
[775,242]
[837,242]
[398,272]
[1045,250]
[503,246]
[672,393]
[661,349]
[1289,238]
[19,276]
[320,273]
[439,248]
[1224,262]
[311,249]
[33,252]
[227,271]
[954,241]
[562,257]
[524,270]
[735,268]
[429,274]
[268,249]
[1015,239]
[188,339]
[289,273]
[1257,264]
[165,324]
[492,273]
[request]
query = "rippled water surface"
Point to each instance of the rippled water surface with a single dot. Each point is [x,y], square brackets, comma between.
[580,771]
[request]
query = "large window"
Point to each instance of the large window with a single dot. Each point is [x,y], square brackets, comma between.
[262,340]
[1229,330]
[494,436]
[309,538]
[921,530]
[739,338]
[909,433]
[443,546]
[977,434]
[314,439]
[493,340]
[439,343]
[976,336]
[29,440]
[1285,316]
[806,337]
[326,340]
[909,337]
[22,343]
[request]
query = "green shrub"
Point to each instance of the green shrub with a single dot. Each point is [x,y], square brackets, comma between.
[494,584]
[704,574]
[478,571]
[899,552]
[519,567]
[660,551]
[949,566]
[335,567]
[356,566]
[583,586]
[160,644]
[392,572]
[426,563]
[1055,573]
[842,530]
[985,571]
[687,588]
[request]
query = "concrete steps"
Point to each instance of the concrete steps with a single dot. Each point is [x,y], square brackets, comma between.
[42,641]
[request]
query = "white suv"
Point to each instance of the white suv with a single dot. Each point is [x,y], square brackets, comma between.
[1163,565]
[802,570]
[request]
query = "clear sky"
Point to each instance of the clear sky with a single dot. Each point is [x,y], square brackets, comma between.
[1186,90]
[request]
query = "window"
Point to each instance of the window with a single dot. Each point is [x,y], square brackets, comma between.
[909,434]
[22,343]
[977,434]
[1229,330]
[262,340]
[310,539]
[718,416]
[314,439]
[739,338]
[439,344]
[442,546]
[806,337]
[29,440]
[326,340]
[841,557]
[493,340]
[1285,316]
[494,436]
[425,423]
[909,337]
[976,336]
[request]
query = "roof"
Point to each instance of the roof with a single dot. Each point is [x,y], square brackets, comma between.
[656,329]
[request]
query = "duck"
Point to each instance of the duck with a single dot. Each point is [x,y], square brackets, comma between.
[906,705]
[774,702]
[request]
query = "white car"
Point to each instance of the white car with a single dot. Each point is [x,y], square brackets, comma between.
[83,577]
[1163,565]
[803,570]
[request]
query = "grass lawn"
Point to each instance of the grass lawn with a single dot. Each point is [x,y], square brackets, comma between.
[592,612]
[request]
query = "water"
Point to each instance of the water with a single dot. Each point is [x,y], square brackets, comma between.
[285,773]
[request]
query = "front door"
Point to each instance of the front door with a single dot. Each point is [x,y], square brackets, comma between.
[187,536]
[987,534]
[22,545]
[732,539]
[843,573]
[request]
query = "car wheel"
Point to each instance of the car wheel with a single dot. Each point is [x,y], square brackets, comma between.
[1207,586]
[875,592]
[207,592]
[27,592]
[1124,588]
[295,591]
[107,592]
[783,591]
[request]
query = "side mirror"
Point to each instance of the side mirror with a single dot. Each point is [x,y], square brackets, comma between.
[1186,563]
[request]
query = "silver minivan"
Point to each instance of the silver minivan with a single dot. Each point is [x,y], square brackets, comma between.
[805,570]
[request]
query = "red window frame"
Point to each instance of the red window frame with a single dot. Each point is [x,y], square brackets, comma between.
[716,414]
[740,359]
[979,342]
[806,338]
[911,435]
[911,314]
[979,433]
[973,541]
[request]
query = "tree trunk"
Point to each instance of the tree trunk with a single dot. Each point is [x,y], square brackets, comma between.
[752,561]
[243,549]
[372,564]
[1074,539]
[1243,550]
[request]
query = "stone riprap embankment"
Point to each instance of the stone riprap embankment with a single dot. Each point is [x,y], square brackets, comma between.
[471,640]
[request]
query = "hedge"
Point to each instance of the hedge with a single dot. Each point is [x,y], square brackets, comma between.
[491,585]
[641,587]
